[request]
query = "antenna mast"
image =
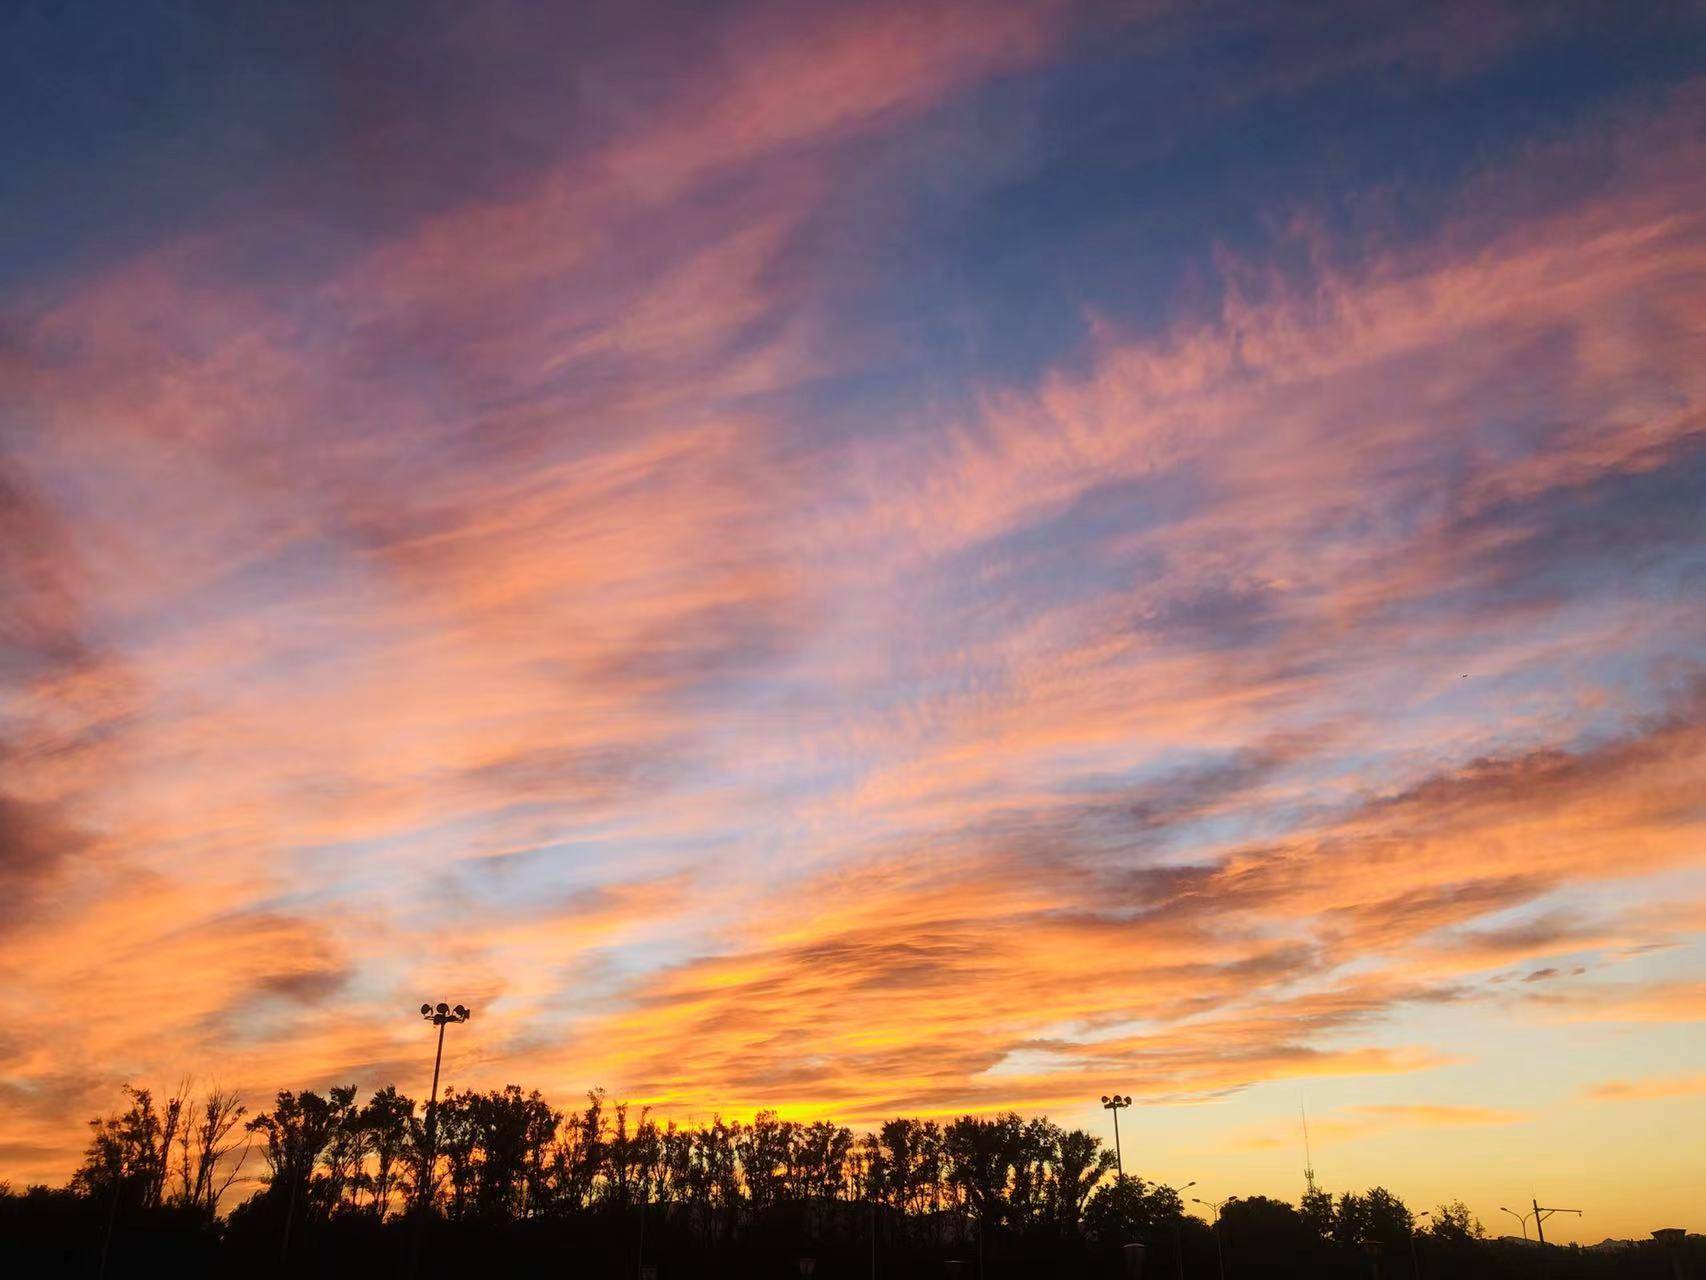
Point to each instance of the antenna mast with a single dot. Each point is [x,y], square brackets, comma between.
[1308,1161]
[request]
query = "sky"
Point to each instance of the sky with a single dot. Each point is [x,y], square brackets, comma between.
[870,559]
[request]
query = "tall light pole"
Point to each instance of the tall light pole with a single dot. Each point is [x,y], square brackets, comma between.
[1219,1249]
[1113,1102]
[1521,1218]
[440,1015]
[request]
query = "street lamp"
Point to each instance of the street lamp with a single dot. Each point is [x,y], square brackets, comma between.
[1179,1232]
[1219,1249]
[1415,1262]
[440,1015]
[1113,1102]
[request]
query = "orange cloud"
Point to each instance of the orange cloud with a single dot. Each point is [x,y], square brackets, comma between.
[483,619]
[1648,1089]
[1625,1002]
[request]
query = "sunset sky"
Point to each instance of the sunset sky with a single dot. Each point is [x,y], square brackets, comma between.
[870,559]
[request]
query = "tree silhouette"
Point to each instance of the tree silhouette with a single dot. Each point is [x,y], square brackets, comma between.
[1318,1212]
[297,1133]
[209,1169]
[1131,1209]
[385,1121]
[1389,1222]
[1080,1165]
[1377,1220]
[129,1154]
[1266,1225]
[1454,1224]
[723,1198]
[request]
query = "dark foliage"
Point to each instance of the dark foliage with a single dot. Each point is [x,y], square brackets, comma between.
[346,1189]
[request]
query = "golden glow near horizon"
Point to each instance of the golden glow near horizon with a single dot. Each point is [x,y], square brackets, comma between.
[780,583]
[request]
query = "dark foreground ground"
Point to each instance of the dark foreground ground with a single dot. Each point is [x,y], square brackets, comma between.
[74,1238]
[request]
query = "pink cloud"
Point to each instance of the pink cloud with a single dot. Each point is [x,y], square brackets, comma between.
[545,575]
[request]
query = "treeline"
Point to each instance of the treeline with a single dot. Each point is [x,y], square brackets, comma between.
[380,1187]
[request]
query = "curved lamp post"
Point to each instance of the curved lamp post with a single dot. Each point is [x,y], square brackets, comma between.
[1522,1219]
[1113,1102]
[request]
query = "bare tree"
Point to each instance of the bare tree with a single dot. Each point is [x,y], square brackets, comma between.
[208,1169]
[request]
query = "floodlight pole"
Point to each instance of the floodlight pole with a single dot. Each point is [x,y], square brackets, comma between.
[1114,1102]
[432,1098]
[440,1015]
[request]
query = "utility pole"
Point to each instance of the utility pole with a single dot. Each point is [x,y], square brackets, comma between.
[1219,1249]
[1540,1216]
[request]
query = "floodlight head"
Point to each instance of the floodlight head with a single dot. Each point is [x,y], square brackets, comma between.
[460,1012]
[426,1011]
[1104,1099]
[442,1007]
[1128,1099]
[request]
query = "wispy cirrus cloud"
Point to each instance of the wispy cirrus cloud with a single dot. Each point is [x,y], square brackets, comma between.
[1647,1089]
[517,596]
[1680,1001]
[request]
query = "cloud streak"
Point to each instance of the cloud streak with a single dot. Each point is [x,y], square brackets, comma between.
[533,594]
